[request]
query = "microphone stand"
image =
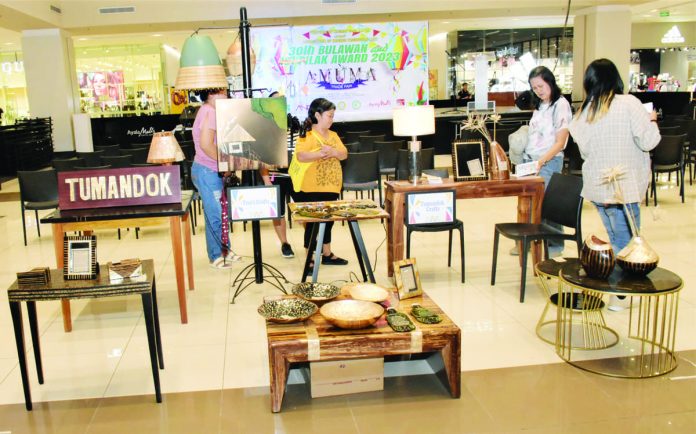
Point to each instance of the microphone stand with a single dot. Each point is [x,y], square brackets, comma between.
[454,85]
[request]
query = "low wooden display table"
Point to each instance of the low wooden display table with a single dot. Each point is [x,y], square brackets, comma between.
[101,287]
[320,228]
[529,192]
[317,340]
[175,215]
[652,320]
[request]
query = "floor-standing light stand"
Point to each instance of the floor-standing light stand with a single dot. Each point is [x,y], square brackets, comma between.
[258,266]
[414,121]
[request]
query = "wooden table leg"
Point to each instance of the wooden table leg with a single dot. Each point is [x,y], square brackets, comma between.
[187,246]
[152,342]
[394,205]
[177,250]
[278,365]
[58,233]
[16,312]
[527,213]
[451,357]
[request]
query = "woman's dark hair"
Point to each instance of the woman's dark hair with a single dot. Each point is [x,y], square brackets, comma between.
[319,105]
[203,94]
[548,77]
[602,81]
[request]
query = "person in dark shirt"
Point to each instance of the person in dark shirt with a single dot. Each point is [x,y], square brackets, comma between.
[464,93]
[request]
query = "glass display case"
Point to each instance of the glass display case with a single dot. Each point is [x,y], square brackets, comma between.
[13,88]
[512,53]
[120,80]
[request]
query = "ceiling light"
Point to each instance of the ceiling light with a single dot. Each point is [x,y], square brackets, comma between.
[156,35]
[83,39]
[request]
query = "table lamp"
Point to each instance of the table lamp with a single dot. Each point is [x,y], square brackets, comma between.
[414,121]
[164,149]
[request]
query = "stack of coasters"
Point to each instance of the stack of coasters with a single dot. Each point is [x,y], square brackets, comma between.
[127,268]
[39,276]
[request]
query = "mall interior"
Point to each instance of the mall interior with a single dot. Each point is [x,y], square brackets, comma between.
[216,376]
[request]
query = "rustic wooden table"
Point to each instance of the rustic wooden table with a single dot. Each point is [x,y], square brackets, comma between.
[317,340]
[176,215]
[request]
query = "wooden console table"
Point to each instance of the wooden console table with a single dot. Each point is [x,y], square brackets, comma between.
[317,340]
[175,215]
[529,192]
[58,289]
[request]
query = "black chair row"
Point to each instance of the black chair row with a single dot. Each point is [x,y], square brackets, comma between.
[667,157]
[124,158]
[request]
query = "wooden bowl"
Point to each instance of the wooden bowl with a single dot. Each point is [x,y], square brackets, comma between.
[351,314]
[316,291]
[287,310]
[367,292]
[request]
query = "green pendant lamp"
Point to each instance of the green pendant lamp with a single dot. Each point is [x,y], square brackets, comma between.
[200,66]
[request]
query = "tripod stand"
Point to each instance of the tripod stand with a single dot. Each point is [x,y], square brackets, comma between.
[262,271]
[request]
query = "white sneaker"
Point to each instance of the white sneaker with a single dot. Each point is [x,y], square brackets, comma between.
[221,264]
[616,304]
[515,251]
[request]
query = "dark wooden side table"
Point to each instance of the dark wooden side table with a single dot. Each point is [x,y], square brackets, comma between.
[58,288]
[652,321]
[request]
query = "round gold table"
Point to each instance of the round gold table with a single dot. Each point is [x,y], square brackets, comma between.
[652,321]
[579,309]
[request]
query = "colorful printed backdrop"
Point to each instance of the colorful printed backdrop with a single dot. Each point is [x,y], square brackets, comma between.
[365,69]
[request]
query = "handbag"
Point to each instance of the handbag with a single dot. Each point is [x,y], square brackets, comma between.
[297,169]
[518,142]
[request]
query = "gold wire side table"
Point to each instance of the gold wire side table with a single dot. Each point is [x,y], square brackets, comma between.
[578,309]
[652,321]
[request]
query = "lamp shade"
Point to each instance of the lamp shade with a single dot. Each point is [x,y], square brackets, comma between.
[234,58]
[414,120]
[164,149]
[200,66]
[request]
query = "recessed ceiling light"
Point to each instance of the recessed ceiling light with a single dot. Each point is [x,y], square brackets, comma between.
[9,43]
[157,35]
[446,22]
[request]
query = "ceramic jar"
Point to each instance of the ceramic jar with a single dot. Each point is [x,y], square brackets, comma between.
[597,257]
[637,257]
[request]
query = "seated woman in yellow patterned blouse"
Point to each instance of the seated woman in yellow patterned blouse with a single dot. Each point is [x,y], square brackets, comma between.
[324,177]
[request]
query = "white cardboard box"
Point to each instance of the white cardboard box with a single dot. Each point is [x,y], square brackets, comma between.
[346,376]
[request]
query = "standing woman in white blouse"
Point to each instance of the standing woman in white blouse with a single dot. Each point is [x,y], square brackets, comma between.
[548,134]
[613,130]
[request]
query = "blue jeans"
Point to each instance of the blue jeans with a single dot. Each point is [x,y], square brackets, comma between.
[554,165]
[209,186]
[616,223]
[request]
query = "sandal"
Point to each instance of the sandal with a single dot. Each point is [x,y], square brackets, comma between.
[233,257]
[333,260]
[426,316]
[221,263]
